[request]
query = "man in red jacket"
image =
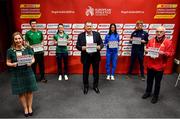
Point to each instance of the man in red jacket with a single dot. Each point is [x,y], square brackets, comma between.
[159,49]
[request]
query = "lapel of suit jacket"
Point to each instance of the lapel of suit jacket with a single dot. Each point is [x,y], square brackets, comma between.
[94,37]
[84,37]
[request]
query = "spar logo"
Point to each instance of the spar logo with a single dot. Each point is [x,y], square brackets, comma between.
[90,11]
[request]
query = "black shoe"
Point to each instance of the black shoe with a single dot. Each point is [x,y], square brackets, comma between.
[44,80]
[146,95]
[85,91]
[26,115]
[96,90]
[154,100]
[30,114]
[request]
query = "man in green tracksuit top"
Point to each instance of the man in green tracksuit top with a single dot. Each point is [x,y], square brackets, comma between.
[35,38]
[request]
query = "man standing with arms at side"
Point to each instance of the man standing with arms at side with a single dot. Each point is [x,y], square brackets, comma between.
[35,38]
[90,44]
[138,39]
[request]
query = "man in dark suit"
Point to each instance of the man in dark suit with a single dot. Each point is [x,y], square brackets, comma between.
[90,44]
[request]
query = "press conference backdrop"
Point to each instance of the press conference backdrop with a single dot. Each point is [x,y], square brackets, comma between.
[73,14]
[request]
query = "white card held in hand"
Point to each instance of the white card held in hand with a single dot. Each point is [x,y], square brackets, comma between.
[24,60]
[38,47]
[136,40]
[62,42]
[113,44]
[91,47]
[153,52]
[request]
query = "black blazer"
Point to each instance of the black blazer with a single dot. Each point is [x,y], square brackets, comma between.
[82,42]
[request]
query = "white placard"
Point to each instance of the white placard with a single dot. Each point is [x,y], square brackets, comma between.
[24,60]
[136,40]
[62,42]
[37,47]
[113,44]
[153,52]
[91,47]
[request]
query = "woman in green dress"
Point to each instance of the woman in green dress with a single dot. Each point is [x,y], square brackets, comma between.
[19,59]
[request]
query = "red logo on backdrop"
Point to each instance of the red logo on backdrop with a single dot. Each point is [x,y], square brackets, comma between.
[89,11]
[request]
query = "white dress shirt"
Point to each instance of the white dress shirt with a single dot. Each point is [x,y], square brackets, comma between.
[89,38]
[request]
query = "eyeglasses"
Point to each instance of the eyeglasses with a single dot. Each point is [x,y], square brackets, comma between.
[159,31]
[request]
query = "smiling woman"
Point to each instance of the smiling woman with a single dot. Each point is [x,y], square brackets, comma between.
[19,59]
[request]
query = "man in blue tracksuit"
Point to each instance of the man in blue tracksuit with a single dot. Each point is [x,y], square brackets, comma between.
[112,43]
[138,39]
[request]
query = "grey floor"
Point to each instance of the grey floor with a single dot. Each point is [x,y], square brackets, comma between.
[118,99]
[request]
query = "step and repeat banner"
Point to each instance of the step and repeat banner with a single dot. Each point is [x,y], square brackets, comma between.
[73,14]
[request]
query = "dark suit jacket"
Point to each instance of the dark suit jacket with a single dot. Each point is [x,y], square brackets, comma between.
[82,42]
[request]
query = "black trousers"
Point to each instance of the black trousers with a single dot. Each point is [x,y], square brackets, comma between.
[140,56]
[62,57]
[86,68]
[39,60]
[151,75]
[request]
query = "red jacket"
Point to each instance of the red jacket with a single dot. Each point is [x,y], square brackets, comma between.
[160,62]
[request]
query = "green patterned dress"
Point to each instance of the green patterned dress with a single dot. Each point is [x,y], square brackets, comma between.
[23,78]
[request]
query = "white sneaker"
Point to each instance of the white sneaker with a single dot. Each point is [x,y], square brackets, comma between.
[108,77]
[112,77]
[60,78]
[65,77]
[143,78]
